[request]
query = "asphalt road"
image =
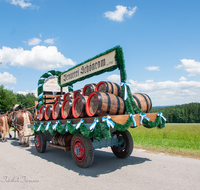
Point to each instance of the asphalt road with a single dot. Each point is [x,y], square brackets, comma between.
[25,168]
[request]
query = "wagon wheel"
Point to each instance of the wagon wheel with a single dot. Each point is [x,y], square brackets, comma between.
[82,151]
[125,148]
[40,142]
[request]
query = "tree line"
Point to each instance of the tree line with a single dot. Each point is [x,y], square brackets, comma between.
[8,98]
[185,113]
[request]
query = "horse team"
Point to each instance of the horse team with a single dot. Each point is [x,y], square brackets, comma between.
[19,120]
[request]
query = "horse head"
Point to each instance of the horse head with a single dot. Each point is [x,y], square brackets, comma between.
[17,107]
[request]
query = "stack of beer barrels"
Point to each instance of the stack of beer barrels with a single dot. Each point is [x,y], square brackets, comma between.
[104,98]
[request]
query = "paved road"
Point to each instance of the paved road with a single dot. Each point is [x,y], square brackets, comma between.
[24,168]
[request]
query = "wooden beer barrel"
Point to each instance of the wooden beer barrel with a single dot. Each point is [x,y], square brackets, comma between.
[78,93]
[109,87]
[66,110]
[58,99]
[143,101]
[56,112]
[67,140]
[101,103]
[41,113]
[48,112]
[78,107]
[68,95]
[88,89]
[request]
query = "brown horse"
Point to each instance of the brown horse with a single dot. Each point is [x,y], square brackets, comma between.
[20,121]
[4,127]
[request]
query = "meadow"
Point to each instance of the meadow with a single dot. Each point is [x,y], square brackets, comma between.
[174,139]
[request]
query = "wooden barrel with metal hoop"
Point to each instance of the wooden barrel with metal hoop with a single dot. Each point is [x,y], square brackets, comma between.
[78,107]
[88,89]
[100,103]
[67,140]
[143,101]
[78,93]
[68,95]
[41,113]
[56,111]
[109,87]
[66,110]
[48,112]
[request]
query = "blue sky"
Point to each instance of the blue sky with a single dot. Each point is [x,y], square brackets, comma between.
[160,40]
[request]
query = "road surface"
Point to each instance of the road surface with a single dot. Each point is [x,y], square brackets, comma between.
[25,168]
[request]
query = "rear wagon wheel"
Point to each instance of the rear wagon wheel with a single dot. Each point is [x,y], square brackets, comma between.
[125,148]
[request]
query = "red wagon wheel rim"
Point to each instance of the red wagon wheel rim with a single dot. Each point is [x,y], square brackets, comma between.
[79,150]
[38,142]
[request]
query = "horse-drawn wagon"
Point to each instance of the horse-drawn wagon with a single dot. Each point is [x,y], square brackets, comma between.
[96,116]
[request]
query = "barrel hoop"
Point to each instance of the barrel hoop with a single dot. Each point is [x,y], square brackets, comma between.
[111,87]
[118,103]
[119,92]
[109,103]
[150,101]
[146,101]
[139,105]
[100,102]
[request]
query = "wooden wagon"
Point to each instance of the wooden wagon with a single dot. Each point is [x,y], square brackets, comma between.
[73,121]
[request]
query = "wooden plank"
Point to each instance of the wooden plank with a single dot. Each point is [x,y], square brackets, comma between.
[50,96]
[61,147]
[49,100]
[121,119]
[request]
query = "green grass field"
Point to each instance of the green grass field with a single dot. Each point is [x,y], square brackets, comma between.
[178,139]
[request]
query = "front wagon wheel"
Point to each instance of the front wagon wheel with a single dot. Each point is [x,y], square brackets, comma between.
[82,150]
[125,147]
[40,142]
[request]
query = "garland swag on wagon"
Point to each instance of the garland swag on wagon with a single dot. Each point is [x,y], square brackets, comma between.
[97,130]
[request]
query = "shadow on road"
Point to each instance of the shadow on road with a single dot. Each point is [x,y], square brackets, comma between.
[104,160]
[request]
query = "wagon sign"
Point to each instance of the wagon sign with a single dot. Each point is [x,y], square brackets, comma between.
[91,67]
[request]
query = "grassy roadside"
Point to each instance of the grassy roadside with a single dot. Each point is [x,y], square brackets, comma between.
[174,139]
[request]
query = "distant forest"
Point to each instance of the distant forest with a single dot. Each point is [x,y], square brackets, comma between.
[8,98]
[186,113]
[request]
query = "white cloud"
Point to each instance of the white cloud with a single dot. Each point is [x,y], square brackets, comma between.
[39,57]
[182,79]
[120,13]
[7,78]
[40,35]
[27,91]
[49,41]
[190,65]
[114,78]
[153,68]
[23,3]
[168,92]
[34,41]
